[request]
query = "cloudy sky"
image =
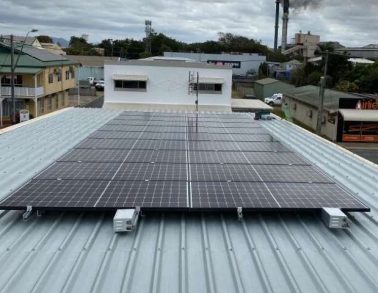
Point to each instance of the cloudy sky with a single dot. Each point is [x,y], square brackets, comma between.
[352,23]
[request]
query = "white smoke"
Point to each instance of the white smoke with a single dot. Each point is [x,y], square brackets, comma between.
[299,4]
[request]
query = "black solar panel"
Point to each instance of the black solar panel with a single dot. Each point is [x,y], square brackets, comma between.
[213,146]
[210,195]
[168,160]
[261,147]
[211,157]
[99,156]
[57,194]
[85,171]
[224,172]
[312,196]
[152,171]
[93,143]
[146,194]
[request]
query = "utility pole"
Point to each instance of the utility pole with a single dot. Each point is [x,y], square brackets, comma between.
[13,67]
[323,84]
[197,89]
[276,25]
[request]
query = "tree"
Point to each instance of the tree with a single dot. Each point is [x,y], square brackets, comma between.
[79,46]
[263,70]
[346,86]
[44,39]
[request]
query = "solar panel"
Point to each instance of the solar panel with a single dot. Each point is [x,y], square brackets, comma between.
[57,194]
[157,156]
[115,134]
[152,171]
[313,196]
[262,146]
[90,155]
[146,194]
[93,143]
[274,158]
[223,172]
[284,173]
[225,195]
[211,157]
[80,170]
[169,161]
[212,146]
[154,144]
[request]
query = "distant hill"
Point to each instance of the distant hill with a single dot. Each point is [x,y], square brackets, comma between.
[63,42]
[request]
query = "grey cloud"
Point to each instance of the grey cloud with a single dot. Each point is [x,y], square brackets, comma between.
[346,21]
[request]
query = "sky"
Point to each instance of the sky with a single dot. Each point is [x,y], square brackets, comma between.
[352,23]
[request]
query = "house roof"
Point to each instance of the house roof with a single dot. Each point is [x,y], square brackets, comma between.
[309,94]
[91,61]
[73,252]
[266,81]
[19,39]
[167,63]
[359,115]
[31,58]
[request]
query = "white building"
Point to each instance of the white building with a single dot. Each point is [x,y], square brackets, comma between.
[241,63]
[166,84]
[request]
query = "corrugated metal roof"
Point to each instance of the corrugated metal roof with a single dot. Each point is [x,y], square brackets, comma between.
[359,115]
[265,81]
[309,94]
[167,63]
[66,252]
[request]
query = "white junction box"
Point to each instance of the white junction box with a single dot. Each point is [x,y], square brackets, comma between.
[125,219]
[335,218]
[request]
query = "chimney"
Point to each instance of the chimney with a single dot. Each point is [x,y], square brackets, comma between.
[276,24]
[285,21]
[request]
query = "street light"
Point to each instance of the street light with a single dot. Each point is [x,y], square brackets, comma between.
[13,69]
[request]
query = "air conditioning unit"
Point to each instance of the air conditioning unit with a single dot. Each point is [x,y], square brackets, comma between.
[125,220]
[334,218]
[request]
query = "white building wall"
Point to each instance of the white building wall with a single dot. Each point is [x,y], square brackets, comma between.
[166,85]
[247,61]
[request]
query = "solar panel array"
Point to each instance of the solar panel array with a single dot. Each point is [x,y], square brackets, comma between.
[182,161]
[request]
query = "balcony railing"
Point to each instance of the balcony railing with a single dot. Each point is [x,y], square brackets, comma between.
[22,91]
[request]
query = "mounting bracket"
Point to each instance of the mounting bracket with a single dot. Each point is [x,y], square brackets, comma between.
[239,211]
[28,212]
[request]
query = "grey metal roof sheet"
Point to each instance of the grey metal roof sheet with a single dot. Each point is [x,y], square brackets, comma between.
[167,63]
[309,94]
[66,252]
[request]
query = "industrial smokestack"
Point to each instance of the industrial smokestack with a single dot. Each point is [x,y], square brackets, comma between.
[276,24]
[285,22]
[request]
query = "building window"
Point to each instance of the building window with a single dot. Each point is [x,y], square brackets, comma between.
[57,102]
[208,88]
[67,75]
[59,74]
[130,85]
[51,77]
[6,80]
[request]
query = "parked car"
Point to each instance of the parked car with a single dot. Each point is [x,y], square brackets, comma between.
[274,100]
[100,85]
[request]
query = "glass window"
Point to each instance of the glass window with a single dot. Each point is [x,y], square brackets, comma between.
[51,77]
[67,75]
[130,84]
[208,87]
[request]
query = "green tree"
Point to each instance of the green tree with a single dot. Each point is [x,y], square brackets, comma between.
[44,39]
